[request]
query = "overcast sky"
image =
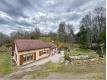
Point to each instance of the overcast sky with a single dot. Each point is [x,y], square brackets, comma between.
[44,14]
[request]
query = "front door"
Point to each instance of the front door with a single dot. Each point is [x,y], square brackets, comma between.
[34,55]
[21,59]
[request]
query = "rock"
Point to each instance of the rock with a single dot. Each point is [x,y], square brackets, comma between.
[92,59]
[62,52]
[86,60]
[80,57]
[66,62]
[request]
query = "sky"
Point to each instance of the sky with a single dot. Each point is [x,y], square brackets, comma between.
[43,14]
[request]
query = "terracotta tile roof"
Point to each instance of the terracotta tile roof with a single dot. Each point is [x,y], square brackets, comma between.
[26,45]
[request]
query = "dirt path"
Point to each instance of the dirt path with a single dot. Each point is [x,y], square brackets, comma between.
[1,78]
[57,76]
[65,76]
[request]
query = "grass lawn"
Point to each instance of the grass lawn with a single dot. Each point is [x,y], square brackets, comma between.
[76,50]
[96,71]
[5,61]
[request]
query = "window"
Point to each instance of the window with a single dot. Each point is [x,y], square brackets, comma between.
[47,51]
[27,57]
[24,58]
[42,53]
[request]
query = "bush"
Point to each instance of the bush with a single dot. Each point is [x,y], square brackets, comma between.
[78,62]
[66,57]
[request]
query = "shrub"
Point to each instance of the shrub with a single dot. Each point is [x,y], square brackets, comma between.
[66,57]
[78,62]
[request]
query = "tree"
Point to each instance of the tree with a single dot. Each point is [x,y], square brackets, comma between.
[53,36]
[61,32]
[95,29]
[99,23]
[35,34]
[87,23]
[65,33]
[82,36]
[3,38]
[70,33]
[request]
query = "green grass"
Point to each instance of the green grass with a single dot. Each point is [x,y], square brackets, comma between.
[71,69]
[45,70]
[40,73]
[99,76]
[5,61]
[80,51]
[75,50]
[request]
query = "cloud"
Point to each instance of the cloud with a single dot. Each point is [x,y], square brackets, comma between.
[44,14]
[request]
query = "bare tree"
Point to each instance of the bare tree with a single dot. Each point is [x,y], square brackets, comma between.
[3,38]
[87,23]
[95,24]
[99,23]
[61,32]
[35,34]
[70,33]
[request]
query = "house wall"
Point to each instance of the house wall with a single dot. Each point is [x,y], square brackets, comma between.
[16,55]
[32,52]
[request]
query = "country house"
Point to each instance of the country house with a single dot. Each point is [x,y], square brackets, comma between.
[27,51]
